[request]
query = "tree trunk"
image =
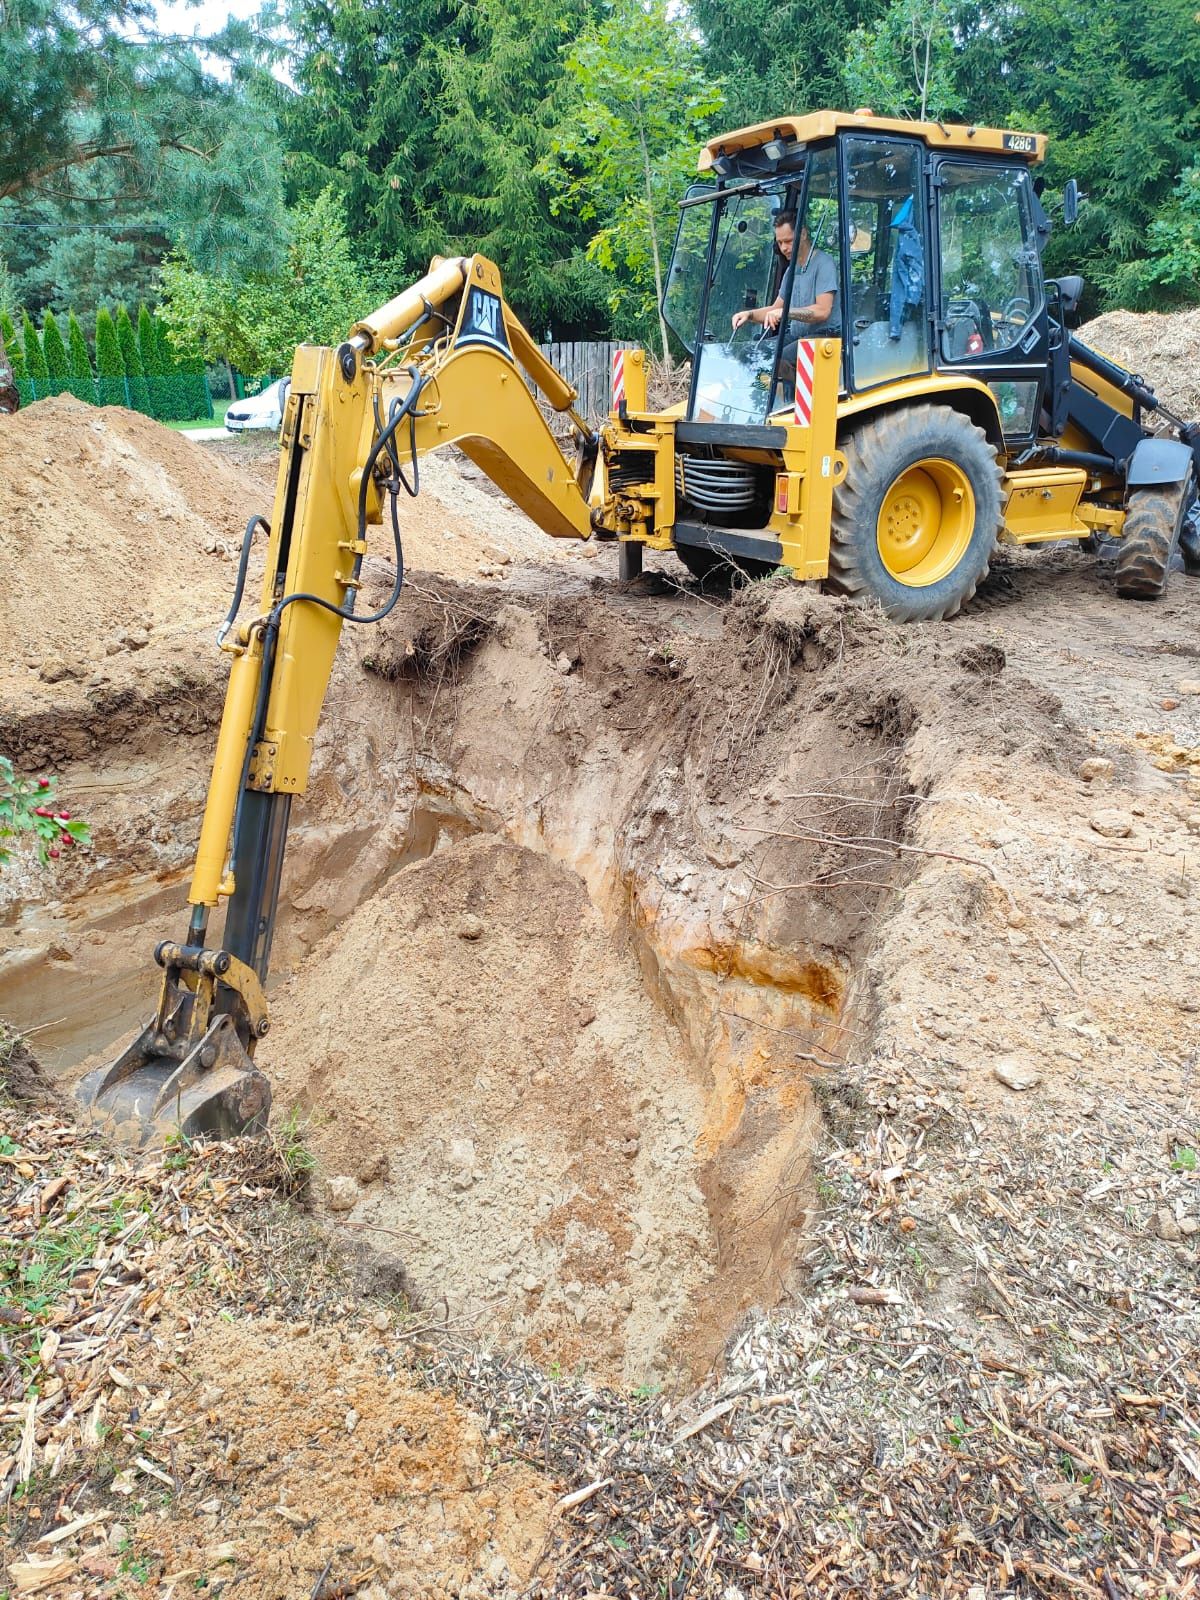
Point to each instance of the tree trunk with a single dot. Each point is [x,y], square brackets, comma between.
[654,251]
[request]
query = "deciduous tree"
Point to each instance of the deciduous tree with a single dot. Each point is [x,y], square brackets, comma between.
[16,355]
[256,321]
[627,142]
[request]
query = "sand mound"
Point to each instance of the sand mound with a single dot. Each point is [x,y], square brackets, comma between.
[115,535]
[1162,348]
[479,1054]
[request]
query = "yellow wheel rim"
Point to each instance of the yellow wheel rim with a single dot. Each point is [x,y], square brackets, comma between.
[925,522]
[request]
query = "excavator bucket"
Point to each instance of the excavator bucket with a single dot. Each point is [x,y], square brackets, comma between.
[190,1070]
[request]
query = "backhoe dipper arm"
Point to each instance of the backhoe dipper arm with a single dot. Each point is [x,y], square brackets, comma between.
[437,365]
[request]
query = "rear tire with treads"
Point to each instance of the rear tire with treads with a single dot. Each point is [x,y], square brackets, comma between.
[916,517]
[1150,538]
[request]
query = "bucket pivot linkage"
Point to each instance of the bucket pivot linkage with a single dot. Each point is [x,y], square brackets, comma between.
[191,1070]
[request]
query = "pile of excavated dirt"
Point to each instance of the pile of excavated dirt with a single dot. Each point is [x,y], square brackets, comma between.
[500,1099]
[460,524]
[670,981]
[1162,347]
[116,541]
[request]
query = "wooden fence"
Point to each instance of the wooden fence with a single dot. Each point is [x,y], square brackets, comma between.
[587,366]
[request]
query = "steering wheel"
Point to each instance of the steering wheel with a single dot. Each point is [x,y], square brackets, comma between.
[1016,311]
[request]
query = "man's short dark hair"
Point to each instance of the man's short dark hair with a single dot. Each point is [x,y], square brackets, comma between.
[785,217]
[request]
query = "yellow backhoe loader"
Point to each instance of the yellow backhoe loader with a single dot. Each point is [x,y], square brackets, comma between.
[881,439]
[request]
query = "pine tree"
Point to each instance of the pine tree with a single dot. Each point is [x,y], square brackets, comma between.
[35,360]
[8,289]
[12,344]
[82,379]
[139,395]
[55,352]
[110,366]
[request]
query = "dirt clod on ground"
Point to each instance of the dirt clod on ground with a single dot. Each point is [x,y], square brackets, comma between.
[299,1449]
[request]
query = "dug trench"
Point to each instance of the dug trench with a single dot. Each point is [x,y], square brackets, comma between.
[579,913]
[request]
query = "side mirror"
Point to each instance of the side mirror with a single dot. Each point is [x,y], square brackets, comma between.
[1070,202]
[1070,293]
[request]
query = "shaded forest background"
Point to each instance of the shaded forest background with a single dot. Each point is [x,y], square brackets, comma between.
[282,178]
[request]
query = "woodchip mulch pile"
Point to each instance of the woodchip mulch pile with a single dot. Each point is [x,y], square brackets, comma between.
[988,1386]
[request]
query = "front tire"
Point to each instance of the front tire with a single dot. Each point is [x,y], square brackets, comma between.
[1150,537]
[915,518]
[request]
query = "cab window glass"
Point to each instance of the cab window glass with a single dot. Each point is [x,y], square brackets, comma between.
[685,276]
[991,279]
[888,307]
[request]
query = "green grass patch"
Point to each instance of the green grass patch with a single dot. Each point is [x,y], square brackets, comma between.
[217,420]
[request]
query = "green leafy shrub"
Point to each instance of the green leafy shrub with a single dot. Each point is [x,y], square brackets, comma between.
[29,808]
[12,344]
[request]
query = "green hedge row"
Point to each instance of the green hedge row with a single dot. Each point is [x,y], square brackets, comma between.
[182,398]
[134,367]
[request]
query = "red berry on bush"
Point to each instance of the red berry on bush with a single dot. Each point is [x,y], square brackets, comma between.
[43,783]
[64,816]
[42,811]
[52,853]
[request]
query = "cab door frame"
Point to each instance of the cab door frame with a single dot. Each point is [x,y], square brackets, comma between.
[1027,360]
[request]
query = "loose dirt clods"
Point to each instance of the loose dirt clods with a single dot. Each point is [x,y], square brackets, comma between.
[748,1054]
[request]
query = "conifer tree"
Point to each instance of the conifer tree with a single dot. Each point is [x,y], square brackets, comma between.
[139,395]
[110,367]
[12,344]
[197,403]
[55,351]
[172,381]
[152,366]
[35,360]
[79,364]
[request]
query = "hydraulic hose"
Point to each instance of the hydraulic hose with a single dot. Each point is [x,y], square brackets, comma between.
[239,587]
[399,411]
[384,441]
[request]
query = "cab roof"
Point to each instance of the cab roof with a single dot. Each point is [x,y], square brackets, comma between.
[816,125]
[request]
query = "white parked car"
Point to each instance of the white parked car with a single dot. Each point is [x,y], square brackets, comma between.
[263,410]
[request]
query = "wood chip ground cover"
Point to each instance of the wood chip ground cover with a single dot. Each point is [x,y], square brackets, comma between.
[169,1428]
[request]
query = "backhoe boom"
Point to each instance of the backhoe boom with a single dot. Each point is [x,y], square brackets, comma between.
[440,364]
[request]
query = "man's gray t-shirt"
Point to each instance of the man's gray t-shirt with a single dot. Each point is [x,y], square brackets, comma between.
[816,276]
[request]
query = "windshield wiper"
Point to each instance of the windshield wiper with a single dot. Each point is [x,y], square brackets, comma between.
[757,186]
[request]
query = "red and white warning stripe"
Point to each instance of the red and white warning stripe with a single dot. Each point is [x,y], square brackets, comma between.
[618,379]
[806,355]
